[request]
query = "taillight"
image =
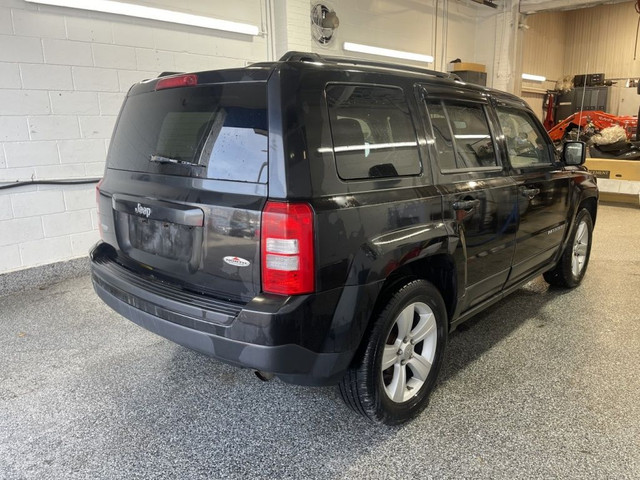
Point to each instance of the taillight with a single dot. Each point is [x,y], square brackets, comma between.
[287,242]
[98,206]
[177,81]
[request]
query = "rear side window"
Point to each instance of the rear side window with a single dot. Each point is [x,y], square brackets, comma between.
[373,134]
[213,131]
[462,135]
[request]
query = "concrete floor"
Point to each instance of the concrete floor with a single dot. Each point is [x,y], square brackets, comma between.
[543,385]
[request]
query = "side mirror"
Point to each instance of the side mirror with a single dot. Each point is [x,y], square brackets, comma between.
[574,153]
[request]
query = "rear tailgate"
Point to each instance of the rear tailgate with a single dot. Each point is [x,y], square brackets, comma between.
[186,183]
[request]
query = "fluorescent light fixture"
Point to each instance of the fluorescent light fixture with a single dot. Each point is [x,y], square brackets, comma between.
[374,146]
[535,78]
[386,52]
[366,147]
[151,13]
[469,137]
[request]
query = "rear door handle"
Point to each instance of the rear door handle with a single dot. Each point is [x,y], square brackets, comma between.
[530,192]
[465,204]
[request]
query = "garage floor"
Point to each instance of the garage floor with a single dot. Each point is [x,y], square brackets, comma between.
[544,384]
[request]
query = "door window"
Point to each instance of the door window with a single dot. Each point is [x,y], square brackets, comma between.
[462,136]
[525,144]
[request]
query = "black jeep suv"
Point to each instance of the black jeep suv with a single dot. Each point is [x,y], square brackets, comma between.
[329,220]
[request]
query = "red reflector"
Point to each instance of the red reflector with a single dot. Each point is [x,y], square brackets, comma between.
[287,244]
[178,81]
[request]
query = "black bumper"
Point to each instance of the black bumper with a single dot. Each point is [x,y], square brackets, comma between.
[210,334]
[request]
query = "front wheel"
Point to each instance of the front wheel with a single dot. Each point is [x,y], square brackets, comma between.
[390,381]
[570,270]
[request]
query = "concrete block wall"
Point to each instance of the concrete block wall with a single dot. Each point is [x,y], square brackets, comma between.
[64,74]
[63,77]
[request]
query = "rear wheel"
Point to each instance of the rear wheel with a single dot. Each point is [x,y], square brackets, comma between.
[390,381]
[572,266]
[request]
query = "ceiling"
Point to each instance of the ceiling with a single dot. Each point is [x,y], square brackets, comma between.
[532,6]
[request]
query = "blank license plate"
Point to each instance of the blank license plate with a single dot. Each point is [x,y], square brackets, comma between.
[165,239]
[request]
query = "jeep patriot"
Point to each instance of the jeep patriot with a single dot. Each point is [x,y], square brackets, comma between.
[329,220]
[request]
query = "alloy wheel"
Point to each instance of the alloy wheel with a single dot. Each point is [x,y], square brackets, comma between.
[409,352]
[580,248]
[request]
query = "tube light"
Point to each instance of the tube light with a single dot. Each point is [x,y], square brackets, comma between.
[535,78]
[151,13]
[386,52]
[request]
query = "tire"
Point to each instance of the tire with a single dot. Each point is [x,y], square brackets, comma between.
[572,266]
[414,313]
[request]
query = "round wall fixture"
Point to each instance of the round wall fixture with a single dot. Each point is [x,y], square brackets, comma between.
[324,21]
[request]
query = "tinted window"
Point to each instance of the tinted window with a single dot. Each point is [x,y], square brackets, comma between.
[221,130]
[442,135]
[373,135]
[525,143]
[462,136]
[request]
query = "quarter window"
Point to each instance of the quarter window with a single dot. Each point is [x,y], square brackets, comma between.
[462,136]
[373,135]
[525,143]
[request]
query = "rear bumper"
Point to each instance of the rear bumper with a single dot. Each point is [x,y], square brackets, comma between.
[253,339]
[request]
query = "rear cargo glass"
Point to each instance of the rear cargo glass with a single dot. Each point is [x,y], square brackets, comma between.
[212,131]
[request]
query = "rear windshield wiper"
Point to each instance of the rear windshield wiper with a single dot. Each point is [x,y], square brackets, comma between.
[161,159]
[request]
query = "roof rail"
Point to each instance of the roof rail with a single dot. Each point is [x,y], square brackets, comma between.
[301,57]
[389,65]
[314,57]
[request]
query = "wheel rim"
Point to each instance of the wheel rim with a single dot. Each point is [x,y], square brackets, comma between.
[409,352]
[580,246]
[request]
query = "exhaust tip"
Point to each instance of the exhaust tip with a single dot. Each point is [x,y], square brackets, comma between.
[264,376]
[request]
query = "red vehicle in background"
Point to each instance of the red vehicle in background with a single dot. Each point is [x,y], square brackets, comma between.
[594,121]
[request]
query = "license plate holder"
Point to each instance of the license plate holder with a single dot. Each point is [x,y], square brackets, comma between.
[165,239]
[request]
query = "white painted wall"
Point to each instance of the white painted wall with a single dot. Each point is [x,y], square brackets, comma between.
[409,25]
[485,42]
[64,73]
[291,26]
[63,76]
[497,38]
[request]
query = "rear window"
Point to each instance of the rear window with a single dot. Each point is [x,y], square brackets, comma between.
[373,135]
[217,132]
